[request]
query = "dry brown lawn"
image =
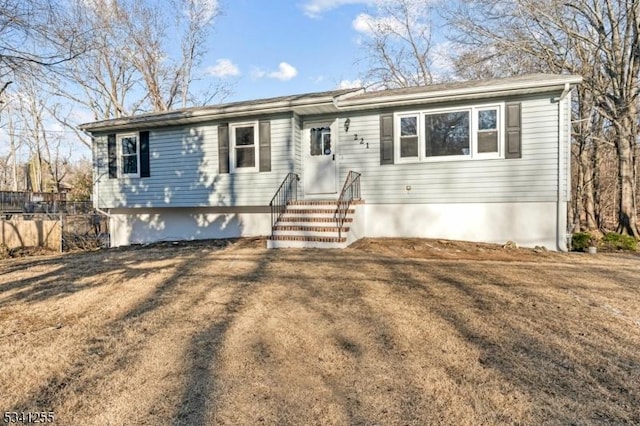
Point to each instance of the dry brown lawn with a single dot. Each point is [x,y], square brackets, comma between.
[386,332]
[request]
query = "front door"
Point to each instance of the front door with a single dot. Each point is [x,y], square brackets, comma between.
[319,147]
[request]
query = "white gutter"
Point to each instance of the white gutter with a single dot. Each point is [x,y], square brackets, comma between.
[190,116]
[457,94]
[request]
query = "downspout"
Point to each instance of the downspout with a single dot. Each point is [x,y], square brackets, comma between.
[561,218]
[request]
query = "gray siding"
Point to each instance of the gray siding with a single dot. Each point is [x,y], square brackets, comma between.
[184,166]
[184,171]
[534,177]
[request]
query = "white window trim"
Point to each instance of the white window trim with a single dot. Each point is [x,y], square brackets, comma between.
[119,138]
[499,128]
[232,147]
[473,136]
[397,134]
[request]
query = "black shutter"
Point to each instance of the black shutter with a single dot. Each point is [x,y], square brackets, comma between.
[386,139]
[112,153]
[513,147]
[145,170]
[265,146]
[223,148]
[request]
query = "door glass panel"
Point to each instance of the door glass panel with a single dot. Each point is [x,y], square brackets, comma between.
[326,141]
[316,142]
[320,141]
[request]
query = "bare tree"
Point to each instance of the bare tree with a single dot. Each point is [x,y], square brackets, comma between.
[398,43]
[595,38]
[133,67]
[49,150]
[33,35]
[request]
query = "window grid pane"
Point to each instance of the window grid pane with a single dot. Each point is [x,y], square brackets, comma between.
[447,134]
[244,136]
[245,157]
[129,164]
[129,145]
[488,119]
[408,126]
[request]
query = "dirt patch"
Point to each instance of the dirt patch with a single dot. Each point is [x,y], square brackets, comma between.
[388,331]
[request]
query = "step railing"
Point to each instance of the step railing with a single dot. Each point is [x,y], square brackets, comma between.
[287,192]
[350,192]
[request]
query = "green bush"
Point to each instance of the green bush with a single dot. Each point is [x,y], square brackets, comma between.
[614,241]
[580,241]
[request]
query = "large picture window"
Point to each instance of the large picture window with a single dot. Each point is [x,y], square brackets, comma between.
[447,134]
[470,132]
[244,149]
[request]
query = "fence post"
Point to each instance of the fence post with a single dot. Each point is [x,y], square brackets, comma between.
[61,232]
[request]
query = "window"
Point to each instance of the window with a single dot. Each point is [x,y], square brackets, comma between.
[129,148]
[409,136]
[449,134]
[320,141]
[244,149]
[488,131]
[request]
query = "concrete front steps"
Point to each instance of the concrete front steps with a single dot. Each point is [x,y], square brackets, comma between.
[311,224]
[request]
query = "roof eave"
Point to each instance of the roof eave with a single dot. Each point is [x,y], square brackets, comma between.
[197,116]
[459,94]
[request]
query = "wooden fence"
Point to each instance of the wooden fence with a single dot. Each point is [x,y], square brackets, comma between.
[18,233]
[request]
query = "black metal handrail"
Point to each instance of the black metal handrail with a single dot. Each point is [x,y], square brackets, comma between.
[350,192]
[287,192]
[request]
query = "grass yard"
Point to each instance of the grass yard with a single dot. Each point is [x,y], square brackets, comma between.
[386,332]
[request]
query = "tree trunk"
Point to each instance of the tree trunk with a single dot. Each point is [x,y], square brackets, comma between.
[586,170]
[627,212]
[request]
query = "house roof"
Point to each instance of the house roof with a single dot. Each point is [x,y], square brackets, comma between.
[347,100]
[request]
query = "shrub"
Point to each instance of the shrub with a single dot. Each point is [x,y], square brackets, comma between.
[580,241]
[614,241]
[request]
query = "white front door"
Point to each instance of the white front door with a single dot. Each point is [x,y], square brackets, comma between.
[320,166]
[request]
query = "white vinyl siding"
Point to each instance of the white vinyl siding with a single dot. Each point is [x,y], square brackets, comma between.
[184,171]
[534,177]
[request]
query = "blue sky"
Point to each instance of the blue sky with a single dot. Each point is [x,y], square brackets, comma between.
[280,47]
[268,48]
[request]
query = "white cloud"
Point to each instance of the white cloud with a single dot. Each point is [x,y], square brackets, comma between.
[223,68]
[350,84]
[315,8]
[285,72]
[367,24]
